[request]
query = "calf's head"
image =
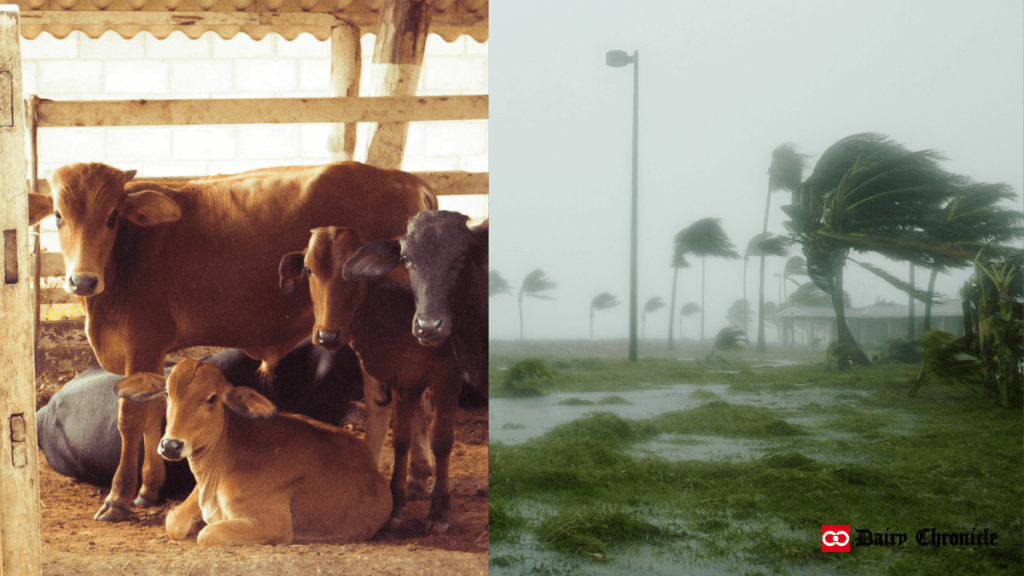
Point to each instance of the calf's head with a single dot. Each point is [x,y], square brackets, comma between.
[89,203]
[334,299]
[198,398]
[436,249]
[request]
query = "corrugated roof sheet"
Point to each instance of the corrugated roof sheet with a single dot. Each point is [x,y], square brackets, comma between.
[227,18]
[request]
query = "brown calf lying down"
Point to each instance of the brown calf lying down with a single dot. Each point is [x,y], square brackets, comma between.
[263,477]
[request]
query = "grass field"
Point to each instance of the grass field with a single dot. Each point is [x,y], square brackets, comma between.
[743,462]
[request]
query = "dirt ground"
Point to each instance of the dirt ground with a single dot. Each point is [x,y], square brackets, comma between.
[75,544]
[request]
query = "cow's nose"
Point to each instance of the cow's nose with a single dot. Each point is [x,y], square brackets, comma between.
[171,448]
[82,284]
[427,326]
[328,338]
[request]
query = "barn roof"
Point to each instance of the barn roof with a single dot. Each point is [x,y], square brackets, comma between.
[228,18]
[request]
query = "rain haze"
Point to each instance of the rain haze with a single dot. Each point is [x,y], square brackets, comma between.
[721,85]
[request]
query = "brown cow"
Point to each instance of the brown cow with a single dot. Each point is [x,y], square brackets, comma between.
[373,317]
[262,477]
[166,267]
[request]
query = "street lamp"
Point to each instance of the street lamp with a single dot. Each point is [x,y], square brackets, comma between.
[618,59]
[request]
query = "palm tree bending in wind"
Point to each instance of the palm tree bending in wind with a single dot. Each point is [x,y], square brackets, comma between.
[654,303]
[764,244]
[870,194]
[974,215]
[785,173]
[602,301]
[678,261]
[704,238]
[496,284]
[688,310]
[534,283]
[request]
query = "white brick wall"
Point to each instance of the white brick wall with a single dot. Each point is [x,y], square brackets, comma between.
[80,68]
[112,68]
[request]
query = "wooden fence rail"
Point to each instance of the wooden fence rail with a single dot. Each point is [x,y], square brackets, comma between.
[84,113]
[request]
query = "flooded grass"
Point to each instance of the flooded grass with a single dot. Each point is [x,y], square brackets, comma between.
[798,447]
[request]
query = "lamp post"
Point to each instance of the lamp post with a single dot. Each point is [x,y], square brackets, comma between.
[618,59]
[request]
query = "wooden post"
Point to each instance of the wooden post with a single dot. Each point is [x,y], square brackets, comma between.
[19,454]
[346,68]
[397,60]
[32,126]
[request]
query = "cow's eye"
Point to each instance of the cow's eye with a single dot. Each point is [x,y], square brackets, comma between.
[59,218]
[112,220]
[211,399]
[307,271]
[404,260]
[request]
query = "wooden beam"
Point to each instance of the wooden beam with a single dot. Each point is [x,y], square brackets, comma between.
[443,183]
[261,110]
[397,60]
[19,454]
[346,68]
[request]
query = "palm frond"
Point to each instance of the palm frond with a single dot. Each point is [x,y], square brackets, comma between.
[796,266]
[604,301]
[690,309]
[705,237]
[496,284]
[536,281]
[738,314]
[947,358]
[679,258]
[654,303]
[787,168]
[897,283]
[729,338]
[975,215]
[539,296]
[768,244]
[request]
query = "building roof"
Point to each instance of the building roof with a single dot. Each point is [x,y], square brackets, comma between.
[948,308]
[228,18]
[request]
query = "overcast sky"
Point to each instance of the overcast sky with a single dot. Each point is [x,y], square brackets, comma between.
[721,84]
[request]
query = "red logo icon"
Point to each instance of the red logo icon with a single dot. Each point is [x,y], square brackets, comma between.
[835,538]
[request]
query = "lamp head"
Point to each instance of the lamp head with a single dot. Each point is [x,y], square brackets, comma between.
[618,58]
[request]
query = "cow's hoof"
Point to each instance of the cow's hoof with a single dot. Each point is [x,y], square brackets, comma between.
[436,527]
[143,502]
[393,523]
[112,512]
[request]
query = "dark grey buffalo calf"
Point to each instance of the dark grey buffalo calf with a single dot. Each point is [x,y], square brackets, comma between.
[447,263]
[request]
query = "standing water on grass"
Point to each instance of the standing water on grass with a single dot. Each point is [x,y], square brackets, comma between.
[698,476]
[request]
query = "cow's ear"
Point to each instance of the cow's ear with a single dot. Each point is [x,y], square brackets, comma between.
[39,206]
[142,387]
[150,208]
[127,176]
[249,403]
[290,272]
[374,260]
